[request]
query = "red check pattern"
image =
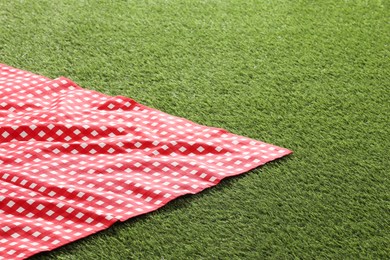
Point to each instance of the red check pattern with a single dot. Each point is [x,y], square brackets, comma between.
[74,161]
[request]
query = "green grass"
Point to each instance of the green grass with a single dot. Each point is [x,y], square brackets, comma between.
[312,76]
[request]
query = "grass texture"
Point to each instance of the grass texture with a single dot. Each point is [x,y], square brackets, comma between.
[312,76]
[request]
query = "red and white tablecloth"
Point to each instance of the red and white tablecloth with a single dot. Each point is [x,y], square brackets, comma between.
[74,161]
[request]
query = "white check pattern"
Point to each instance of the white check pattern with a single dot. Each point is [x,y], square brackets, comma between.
[74,161]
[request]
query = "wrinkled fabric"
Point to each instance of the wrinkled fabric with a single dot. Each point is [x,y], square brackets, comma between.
[74,161]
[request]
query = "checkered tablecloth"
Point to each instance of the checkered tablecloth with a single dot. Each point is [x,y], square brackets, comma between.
[74,161]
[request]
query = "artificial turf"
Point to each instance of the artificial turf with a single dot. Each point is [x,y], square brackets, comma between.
[312,76]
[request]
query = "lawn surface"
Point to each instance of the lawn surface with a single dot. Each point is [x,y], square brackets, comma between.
[312,76]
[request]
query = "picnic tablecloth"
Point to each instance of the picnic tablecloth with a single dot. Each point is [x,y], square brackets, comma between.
[74,161]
